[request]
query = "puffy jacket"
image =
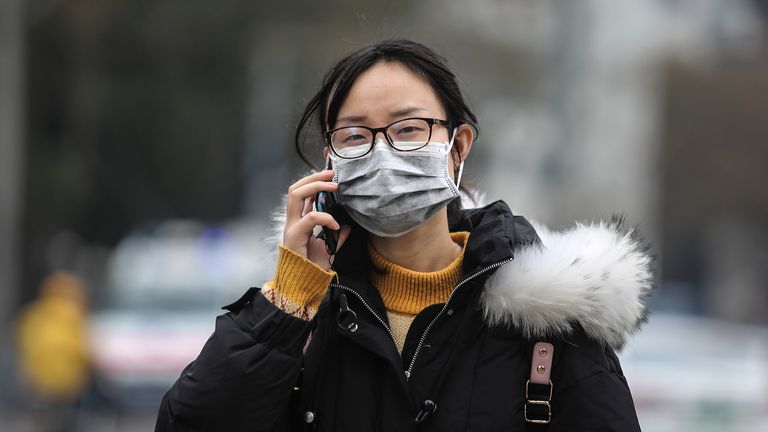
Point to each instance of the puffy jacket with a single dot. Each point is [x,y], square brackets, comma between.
[465,363]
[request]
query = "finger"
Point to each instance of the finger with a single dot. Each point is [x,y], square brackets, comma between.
[291,208]
[299,235]
[311,189]
[308,205]
[324,175]
[306,224]
[304,194]
[297,195]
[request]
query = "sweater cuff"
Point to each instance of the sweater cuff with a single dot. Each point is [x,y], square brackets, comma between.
[300,280]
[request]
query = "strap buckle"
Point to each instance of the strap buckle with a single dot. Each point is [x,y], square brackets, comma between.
[540,409]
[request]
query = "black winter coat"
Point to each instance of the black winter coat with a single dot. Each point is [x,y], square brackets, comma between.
[465,363]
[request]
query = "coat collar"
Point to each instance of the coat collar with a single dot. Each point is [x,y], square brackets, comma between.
[496,234]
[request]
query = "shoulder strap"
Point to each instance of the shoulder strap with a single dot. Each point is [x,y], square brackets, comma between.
[538,388]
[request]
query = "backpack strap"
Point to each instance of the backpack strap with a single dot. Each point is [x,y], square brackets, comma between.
[538,388]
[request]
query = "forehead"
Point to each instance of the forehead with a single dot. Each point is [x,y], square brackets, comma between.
[385,89]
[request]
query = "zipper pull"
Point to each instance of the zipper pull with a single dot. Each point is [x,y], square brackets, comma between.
[427,408]
[346,318]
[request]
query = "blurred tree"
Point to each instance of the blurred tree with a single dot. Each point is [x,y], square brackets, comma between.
[135,114]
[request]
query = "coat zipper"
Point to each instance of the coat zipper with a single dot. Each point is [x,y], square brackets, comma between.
[445,307]
[429,327]
[370,309]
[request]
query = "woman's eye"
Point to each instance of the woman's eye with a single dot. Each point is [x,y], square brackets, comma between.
[410,130]
[354,139]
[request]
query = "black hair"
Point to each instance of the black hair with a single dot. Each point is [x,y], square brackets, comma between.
[421,60]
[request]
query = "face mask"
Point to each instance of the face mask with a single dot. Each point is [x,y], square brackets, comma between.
[389,192]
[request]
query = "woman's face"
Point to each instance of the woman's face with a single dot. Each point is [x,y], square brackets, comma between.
[389,91]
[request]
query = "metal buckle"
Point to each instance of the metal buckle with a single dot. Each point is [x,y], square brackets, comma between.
[539,421]
[537,402]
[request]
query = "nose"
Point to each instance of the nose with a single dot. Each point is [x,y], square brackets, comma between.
[381,142]
[383,136]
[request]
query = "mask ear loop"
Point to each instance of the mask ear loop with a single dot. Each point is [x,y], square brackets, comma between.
[461,165]
[461,170]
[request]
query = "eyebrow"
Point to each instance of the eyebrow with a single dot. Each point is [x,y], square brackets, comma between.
[393,115]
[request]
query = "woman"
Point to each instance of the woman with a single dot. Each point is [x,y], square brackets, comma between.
[426,316]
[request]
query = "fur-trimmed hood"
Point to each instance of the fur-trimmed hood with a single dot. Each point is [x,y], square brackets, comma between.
[596,275]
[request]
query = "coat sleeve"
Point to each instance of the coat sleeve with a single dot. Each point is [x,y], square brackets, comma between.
[243,378]
[594,395]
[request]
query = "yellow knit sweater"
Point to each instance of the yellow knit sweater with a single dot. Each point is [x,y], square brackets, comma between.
[299,286]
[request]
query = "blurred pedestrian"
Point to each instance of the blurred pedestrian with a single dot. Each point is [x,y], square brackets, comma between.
[52,350]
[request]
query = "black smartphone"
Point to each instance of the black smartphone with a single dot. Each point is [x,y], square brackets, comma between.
[325,202]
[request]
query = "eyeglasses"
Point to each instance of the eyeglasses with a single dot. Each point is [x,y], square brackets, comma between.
[409,134]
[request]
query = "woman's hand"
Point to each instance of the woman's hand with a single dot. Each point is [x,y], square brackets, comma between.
[301,219]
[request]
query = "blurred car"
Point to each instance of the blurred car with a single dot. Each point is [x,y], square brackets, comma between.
[697,374]
[166,284]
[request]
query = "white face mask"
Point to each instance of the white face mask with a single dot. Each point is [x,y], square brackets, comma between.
[390,192]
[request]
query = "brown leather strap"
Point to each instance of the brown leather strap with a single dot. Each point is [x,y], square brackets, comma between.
[538,388]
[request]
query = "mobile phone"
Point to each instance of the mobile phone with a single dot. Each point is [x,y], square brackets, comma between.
[325,202]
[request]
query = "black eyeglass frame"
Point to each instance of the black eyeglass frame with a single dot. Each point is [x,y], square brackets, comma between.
[430,121]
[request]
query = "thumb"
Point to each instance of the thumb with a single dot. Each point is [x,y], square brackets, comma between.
[343,235]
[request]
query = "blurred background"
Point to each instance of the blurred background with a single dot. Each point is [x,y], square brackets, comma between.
[144,145]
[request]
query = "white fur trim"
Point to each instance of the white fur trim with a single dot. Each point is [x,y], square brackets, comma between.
[278,224]
[596,275]
[477,200]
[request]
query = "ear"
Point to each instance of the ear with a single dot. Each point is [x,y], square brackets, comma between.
[465,137]
[325,152]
